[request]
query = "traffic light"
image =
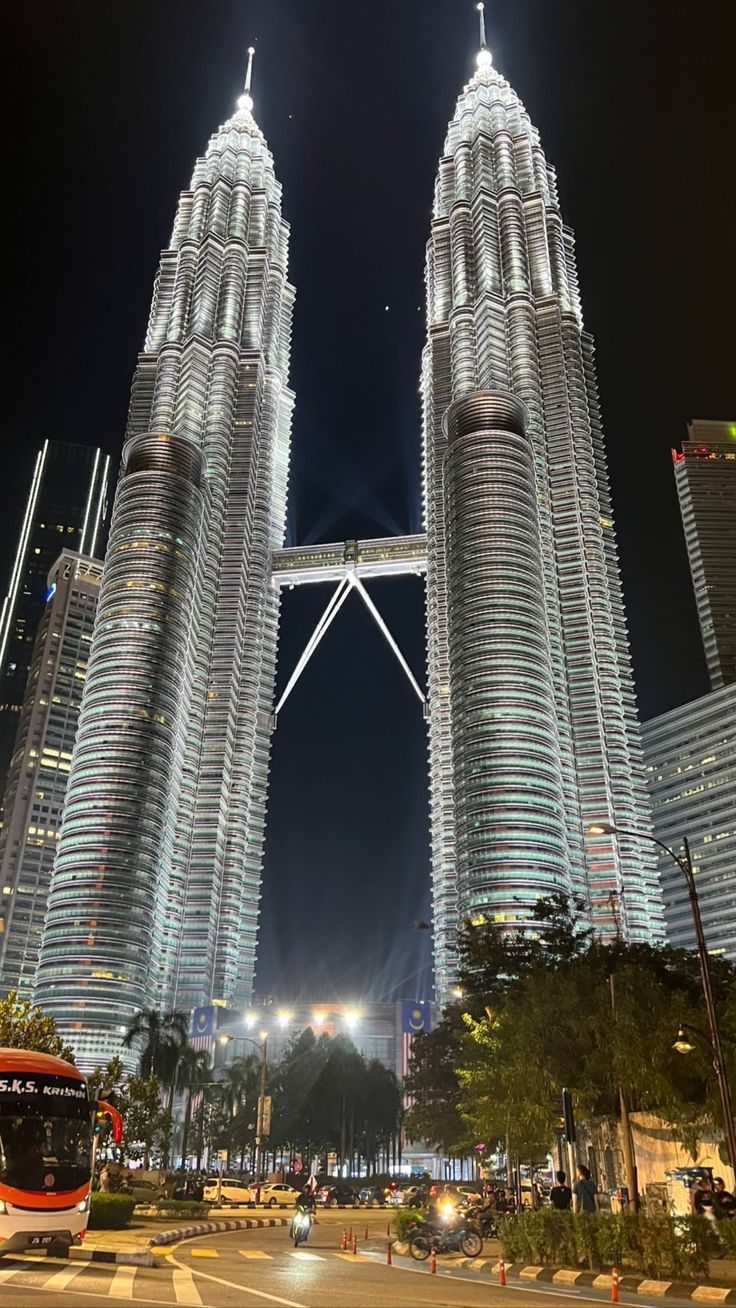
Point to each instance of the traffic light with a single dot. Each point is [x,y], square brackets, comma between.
[563,1116]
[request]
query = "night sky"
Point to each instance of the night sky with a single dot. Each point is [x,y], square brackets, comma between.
[107,107]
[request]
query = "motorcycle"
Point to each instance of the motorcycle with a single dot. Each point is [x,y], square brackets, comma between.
[301,1224]
[484,1221]
[426,1238]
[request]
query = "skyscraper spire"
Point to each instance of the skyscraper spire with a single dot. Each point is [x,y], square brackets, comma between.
[246,99]
[484,54]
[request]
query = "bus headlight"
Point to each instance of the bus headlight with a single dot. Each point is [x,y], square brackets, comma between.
[84,1206]
[3,1207]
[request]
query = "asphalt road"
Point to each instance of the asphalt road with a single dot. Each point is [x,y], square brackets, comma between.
[261,1268]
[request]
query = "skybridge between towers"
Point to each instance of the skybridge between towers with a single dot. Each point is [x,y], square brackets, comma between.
[348,564]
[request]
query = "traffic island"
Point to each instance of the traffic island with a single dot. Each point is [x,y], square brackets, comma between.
[137,1246]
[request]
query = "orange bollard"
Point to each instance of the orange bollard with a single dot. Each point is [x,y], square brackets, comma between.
[344,1241]
[614,1284]
[365,1237]
[388,1253]
[355,1244]
[433,1263]
[501,1272]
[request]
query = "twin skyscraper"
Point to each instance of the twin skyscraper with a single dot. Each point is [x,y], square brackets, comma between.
[533,732]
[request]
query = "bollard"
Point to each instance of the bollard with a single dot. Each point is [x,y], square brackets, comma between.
[350,1235]
[433,1262]
[344,1241]
[365,1237]
[501,1272]
[388,1253]
[614,1284]
[388,1230]
[355,1244]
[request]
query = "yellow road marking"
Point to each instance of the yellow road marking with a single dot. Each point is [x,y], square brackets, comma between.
[354,1257]
[254,1253]
[204,1253]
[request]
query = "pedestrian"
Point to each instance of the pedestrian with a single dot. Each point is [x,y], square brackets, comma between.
[703,1199]
[724,1202]
[560,1196]
[585,1197]
[105,1180]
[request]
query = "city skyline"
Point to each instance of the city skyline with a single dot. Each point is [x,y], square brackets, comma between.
[292,214]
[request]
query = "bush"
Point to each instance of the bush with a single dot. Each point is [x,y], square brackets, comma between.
[181,1208]
[405,1218]
[727,1233]
[110,1212]
[658,1245]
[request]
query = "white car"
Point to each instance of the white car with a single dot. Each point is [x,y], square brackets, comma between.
[279,1195]
[233,1191]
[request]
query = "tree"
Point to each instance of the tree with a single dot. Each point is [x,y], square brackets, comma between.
[22,1026]
[192,1074]
[162,1037]
[147,1121]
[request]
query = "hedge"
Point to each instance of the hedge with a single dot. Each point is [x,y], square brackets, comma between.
[180,1208]
[658,1245]
[405,1218]
[110,1212]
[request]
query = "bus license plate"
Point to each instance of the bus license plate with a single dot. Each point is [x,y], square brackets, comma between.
[37,1240]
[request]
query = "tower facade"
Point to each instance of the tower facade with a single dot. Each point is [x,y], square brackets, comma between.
[154,898]
[65,509]
[39,768]
[705,474]
[532,722]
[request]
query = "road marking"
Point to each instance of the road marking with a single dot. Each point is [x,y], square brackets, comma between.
[7,1272]
[121,1285]
[307,1257]
[422,1270]
[185,1289]
[244,1289]
[254,1253]
[204,1253]
[354,1257]
[58,1280]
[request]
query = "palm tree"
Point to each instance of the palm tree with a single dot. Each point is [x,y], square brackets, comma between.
[239,1077]
[164,1035]
[192,1074]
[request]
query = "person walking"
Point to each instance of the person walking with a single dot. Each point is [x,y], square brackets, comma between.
[724,1202]
[585,1197]
[105,1180]
[560,1196]
[703,1200]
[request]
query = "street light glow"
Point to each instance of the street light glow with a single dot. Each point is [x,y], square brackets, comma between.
[250,1020]
[318,1018]
[601,829]
[352,1018]
[284,1018]
[458,993]
[682,1044]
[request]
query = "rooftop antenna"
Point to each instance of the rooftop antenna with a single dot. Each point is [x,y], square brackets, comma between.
[484,55]
[246,99]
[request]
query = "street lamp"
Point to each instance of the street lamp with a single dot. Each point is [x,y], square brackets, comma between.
[685,865]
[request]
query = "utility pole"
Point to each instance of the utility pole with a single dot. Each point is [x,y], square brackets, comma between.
[261,1108]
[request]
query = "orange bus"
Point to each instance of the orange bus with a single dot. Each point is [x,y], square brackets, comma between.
[47,1146]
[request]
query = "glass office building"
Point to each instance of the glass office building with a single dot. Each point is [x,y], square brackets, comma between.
[705,474]
[533,727]
[39,768]
[690,756]
[65,508]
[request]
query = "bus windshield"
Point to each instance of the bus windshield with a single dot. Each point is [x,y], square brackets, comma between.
[45,1132]
[45,1153]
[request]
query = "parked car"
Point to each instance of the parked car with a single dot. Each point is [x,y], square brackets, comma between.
[233,1191]
[371,1194]
[470,1193]
[404,1196]
[279,1195]
[144,1192]
[336,1194]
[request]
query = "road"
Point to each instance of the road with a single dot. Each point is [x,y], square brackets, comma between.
[255,1269]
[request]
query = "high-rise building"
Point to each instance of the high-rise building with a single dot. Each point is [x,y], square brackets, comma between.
[533,730]
[533,727]
[690,754]
[65,509]
[705,473]
[39,768]
[154,898]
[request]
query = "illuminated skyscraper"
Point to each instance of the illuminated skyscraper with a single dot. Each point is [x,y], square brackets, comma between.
[155,895]
[39,768]
[705,473]
[533,728]
[65,509]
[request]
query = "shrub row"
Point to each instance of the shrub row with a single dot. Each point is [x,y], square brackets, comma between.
[403,1219]
[110,1212]
[658,1245]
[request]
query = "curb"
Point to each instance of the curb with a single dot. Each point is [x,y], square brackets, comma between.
[133,1258]
[178,1233]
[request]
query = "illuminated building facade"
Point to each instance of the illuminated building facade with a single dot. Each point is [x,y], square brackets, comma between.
[532,722]
[65,509]
[705,473]
[154,898]
[39,768]
[690,756]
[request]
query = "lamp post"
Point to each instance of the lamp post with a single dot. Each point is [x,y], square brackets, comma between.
[719,1063]
[263,1050]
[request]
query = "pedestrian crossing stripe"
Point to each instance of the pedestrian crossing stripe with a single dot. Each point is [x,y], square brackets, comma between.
[307,1257]
[254,1253]
[354,1257]
[205,1253]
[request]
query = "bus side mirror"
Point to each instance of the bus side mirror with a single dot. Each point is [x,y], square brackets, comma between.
[102,1110]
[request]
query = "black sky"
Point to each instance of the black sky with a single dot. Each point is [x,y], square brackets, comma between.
[107,106]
